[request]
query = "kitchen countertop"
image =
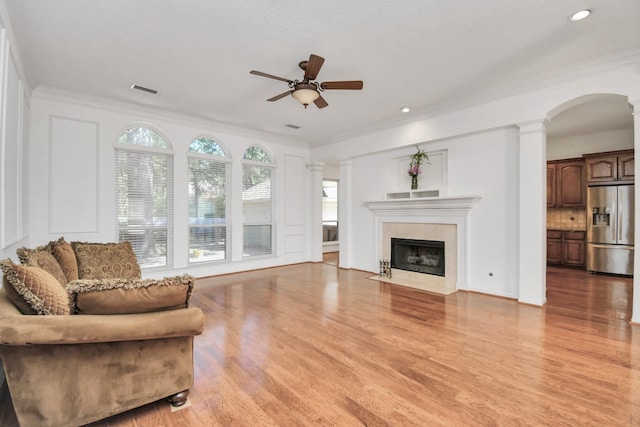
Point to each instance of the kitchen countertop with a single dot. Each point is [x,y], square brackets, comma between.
[565,229]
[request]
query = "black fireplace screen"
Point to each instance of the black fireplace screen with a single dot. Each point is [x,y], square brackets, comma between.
[421,256]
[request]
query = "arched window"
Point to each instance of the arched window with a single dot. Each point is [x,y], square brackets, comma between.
[208,183]
[257,209]
[144,195]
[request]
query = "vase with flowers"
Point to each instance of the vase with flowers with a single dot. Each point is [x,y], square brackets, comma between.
[414,166]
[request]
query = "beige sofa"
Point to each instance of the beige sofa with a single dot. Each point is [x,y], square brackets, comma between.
[73,369]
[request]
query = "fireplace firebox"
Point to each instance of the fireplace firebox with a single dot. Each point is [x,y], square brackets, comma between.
[421,256]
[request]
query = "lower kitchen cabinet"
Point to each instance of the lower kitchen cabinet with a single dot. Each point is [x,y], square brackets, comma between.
[566,248]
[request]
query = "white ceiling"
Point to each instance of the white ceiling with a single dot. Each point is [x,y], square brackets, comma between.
[426,54]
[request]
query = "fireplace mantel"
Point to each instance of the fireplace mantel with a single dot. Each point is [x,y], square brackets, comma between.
[457,204]
[427,210]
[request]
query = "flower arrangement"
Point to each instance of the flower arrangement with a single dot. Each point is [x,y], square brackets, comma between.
[416,160]
[414,166]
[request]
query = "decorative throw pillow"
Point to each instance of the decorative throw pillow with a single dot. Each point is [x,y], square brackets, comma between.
[16,298]
[63,253]
[39,289]
[120,296]
[41,257]
[106,260]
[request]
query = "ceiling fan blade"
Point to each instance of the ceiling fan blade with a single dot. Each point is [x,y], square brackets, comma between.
[351,84]
[313,67]
[320,102]
[260,73]
[282,95]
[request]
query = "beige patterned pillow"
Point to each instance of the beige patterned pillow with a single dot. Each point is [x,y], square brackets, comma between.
[39,289]
[119,296]
[63,253]
[41,257]
[106,260]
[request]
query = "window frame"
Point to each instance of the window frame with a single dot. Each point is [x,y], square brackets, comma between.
[272,166]
[169,225]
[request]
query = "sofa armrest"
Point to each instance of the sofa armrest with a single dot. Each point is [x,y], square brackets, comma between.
[19,329]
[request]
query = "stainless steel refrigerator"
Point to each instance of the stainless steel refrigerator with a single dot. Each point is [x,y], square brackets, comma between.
[610,211]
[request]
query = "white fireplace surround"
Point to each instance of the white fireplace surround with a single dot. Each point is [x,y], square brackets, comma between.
[428,210]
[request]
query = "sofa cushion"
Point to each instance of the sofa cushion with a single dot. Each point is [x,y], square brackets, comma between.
[63,253]
[122,296]
[39,289]
[42,257]
[106,260]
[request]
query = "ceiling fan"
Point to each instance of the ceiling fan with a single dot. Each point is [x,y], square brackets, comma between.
[307,90]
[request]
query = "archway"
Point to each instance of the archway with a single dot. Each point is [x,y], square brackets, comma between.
[584,125]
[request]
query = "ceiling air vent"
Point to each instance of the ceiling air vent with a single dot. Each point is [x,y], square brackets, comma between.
[293,126]
[144,89]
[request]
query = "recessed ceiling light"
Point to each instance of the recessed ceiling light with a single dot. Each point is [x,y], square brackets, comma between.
[579,15]
[144,89]
[405,109]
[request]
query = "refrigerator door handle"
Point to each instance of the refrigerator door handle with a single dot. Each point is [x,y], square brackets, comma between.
[609,246]
[614,221]
[620,222]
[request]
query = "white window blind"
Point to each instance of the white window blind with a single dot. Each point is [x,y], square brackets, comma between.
[144,203]
[207,210]
[256,204]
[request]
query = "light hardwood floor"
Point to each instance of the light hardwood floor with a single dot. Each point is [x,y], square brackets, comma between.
[311,344]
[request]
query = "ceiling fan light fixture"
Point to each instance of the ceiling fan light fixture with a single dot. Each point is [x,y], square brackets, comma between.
[305,94]
[308,90]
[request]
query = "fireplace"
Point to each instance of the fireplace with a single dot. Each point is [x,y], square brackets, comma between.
[420,256]
[436,218]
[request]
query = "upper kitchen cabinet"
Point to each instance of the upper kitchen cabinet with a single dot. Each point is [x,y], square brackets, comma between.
[613,167]
[566,187]
[552,188]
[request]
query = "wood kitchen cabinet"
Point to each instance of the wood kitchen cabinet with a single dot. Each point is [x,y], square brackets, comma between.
[566,248]
[566,185]
[613,167]
[551,185]
[554,247]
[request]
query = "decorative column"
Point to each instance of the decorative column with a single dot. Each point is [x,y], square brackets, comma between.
[635,309]
[533,215]
[315,219]
[345,199]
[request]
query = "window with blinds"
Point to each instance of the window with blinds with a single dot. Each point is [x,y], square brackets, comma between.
[208,181]
[257,174]
[144,195]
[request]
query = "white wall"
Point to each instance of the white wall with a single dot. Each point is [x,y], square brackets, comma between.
[14,131]
[331,172]
[72,178]
[576,146]
[484,164]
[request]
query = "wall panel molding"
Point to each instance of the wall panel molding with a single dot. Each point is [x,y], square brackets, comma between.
[12,144]
[73,175]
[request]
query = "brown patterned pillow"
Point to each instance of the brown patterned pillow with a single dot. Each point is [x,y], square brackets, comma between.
[39,289]
[63,253]
[120,296]
[106,260]
[16,298]
[41,257]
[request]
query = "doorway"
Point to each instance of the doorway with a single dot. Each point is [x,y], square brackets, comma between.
[330,227]
[590,124]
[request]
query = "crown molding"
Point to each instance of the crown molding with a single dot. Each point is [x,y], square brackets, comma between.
[60,95]
[516,87]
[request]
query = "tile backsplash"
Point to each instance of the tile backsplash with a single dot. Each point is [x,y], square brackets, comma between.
[566,219]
